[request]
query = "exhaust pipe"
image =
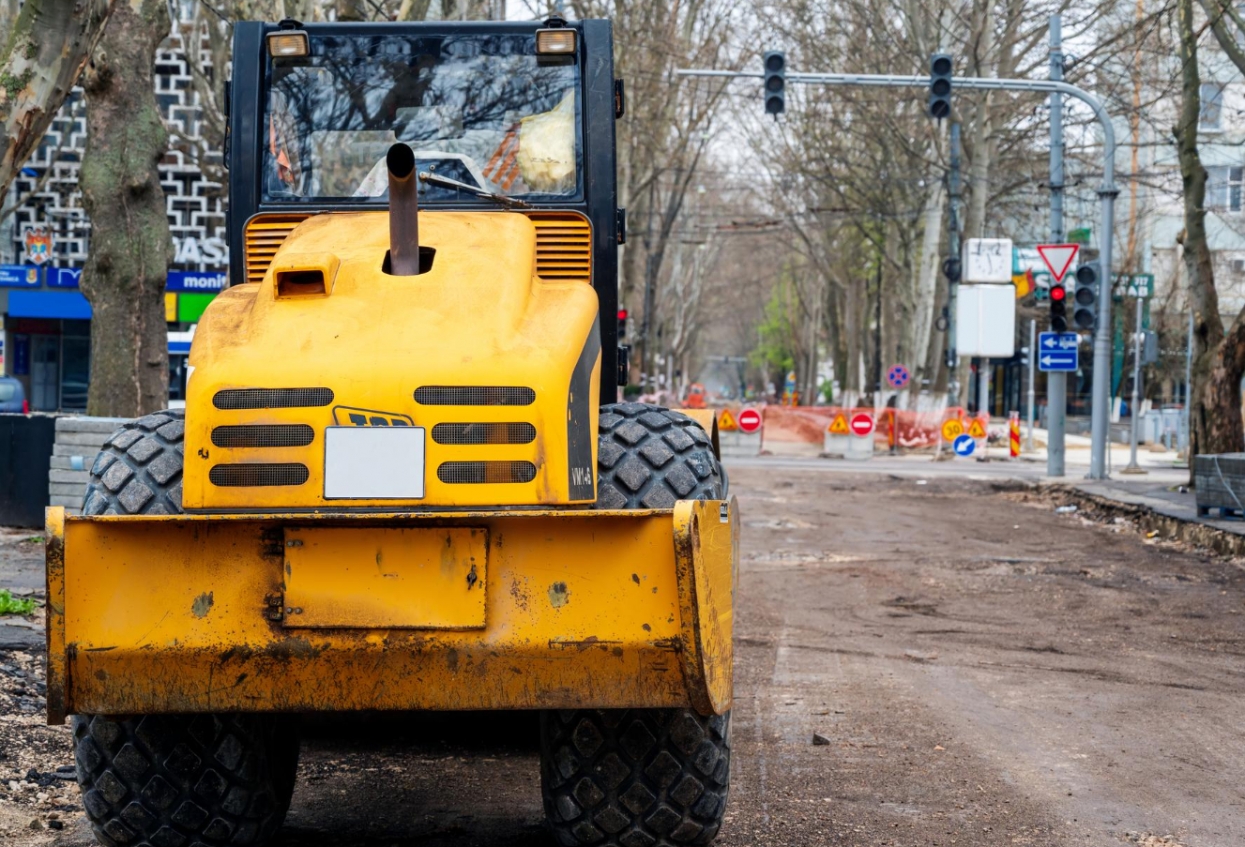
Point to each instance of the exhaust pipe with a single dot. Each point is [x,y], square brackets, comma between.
[403,211]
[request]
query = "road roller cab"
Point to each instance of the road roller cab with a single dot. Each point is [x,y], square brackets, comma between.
[401,480]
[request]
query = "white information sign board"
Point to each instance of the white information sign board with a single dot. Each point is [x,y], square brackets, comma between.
[988,260]
[985,320]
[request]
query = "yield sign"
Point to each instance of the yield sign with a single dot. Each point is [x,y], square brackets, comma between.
[1058,258]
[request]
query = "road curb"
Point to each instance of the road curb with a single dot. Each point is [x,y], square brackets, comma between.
[1154,518]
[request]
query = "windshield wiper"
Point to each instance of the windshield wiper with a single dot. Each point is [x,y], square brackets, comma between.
[446,182]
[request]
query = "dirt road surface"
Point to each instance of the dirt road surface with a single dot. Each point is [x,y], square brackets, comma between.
[918,662]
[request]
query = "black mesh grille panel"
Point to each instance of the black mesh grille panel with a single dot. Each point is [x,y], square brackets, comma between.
[271,398]
[484,433]
[474,395]
[279,435]
[470,473]
[257,475]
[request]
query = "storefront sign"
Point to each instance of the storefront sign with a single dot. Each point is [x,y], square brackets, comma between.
[200,281]
[63,277]
[189,250]
[19,276]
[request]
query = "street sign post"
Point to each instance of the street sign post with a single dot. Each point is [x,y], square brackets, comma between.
[1058,258]
[749,420]
[964,445]
[1057,352]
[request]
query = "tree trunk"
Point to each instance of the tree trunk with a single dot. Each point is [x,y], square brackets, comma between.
[927,289]
[130,246]
[40,60]
[1215,419]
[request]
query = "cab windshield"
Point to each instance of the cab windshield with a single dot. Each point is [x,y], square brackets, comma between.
[480,109]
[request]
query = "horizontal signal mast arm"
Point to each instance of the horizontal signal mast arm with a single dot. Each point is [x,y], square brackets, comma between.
[1045,86]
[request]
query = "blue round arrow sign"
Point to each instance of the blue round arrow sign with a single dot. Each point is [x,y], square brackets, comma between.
[964,445]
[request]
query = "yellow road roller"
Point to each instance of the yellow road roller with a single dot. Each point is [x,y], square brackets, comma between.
[402,480]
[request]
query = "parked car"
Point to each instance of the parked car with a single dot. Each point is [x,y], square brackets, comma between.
[13,396]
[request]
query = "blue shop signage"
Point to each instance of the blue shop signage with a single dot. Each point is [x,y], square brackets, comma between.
[19,276]
[203,282]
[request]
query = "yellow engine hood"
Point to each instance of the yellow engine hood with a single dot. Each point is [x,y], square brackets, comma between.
[480,317]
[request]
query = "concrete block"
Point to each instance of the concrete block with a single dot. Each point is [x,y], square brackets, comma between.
[107,426]
[86,439]
[87,451]
[68,500]
[67,489]
[60,475]
[65,463]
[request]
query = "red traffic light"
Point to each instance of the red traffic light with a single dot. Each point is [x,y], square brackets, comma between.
[1058,292]
[622,314]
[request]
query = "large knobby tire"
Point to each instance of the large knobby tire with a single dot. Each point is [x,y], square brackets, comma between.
[139,469]
[648,457]
[173,780]
[634,777]
[640,777]
[216,780]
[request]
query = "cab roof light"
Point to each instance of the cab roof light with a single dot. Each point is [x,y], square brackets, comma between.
[555,41]
[288,44]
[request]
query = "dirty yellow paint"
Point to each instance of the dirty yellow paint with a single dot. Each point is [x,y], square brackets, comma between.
[480,317]
[402,578]
[124,638]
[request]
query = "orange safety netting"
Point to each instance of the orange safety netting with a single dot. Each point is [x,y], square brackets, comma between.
[902,428]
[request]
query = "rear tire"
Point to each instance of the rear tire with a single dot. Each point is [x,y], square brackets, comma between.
[165,780]
[634,777]
[648,457]
[217,780]
[640,777]
[139,469]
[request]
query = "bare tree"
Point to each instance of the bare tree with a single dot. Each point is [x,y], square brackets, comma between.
[1218,356]
[130,244]
[40,60]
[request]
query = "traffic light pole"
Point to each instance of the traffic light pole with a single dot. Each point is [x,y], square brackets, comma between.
[953,285]
[1107,192]
[1056,381]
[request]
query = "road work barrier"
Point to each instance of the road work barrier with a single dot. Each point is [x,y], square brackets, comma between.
[806,430]
[739,431]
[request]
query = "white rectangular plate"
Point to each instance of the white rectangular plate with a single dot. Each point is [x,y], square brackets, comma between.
[373,462]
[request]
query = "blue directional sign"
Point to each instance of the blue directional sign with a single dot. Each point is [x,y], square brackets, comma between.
[964,445]
[1057,351]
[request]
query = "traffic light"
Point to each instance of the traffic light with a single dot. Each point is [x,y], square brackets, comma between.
[1085,296]
[775,83]
[622,324]
[1058,308]
[940,85]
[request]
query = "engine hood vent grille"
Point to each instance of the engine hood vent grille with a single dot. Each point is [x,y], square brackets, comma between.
[484,433]
[271,398]
[474,395]
[478,473]
[257,475]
